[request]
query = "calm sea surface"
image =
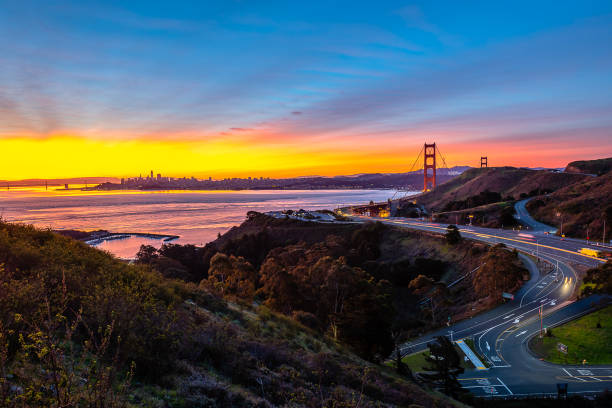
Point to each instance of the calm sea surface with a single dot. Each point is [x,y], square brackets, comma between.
[196,216]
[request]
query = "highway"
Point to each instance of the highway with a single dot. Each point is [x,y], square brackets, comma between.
[501,335]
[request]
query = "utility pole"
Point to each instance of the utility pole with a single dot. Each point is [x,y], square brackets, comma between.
[541,326]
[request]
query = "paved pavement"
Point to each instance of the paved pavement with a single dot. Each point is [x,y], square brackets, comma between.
[526,219]
[500,335]
[539,229]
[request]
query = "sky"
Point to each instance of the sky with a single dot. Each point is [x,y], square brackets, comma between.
[277,89]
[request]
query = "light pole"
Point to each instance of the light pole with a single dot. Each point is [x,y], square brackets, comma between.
[587,235]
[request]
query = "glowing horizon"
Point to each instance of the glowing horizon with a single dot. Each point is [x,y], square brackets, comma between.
[73,157]
[271,90]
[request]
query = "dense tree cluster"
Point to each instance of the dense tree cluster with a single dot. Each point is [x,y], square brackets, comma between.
[501,272]
[307,280]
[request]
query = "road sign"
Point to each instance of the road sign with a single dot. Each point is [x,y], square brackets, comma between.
[562,348]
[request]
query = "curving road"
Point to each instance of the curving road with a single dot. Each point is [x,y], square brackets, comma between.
[501,334]
[523,216]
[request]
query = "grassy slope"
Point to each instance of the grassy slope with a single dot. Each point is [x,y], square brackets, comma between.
[582,338]
[417,361]
[599,167]
[485,215]
[583,206]
[508,181]
[190,348]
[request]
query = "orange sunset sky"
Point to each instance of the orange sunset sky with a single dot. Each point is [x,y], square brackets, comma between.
[238,90]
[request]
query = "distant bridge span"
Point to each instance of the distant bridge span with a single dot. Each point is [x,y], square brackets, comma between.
[390,207]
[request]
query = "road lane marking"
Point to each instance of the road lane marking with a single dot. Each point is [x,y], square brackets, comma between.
[545,257]
[521,333]
[509,316]
[568,373]
[486,235]
[502,383]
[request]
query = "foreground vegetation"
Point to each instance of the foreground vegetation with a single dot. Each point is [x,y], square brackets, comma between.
[80,328]
[587,338]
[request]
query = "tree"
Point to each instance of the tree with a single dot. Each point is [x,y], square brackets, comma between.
[452,235]
[438,292]
[232,276]
[444,366]
[146,254]
[600,279]
[278,288]
[506,216]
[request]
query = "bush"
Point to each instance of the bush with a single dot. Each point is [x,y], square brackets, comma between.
[453,236]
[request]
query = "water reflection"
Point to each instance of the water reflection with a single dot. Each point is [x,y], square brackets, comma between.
[196,216]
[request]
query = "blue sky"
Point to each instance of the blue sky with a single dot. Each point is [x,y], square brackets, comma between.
[509,78]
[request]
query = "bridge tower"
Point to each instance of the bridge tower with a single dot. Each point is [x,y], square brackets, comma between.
[429,154]
[483,161]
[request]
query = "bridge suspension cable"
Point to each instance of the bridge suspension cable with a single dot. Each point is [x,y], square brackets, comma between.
[409,171]
[443,161]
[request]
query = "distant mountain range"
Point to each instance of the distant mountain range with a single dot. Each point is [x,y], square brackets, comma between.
[372,180]
[58,182]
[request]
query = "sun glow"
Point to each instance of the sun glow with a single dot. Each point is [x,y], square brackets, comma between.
[69,156]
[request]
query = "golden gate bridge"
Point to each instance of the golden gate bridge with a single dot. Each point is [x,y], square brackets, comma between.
[429,154]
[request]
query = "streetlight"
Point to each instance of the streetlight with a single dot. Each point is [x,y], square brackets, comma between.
[559,215]
[587,235]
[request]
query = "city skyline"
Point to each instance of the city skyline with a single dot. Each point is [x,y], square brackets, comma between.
[233,89]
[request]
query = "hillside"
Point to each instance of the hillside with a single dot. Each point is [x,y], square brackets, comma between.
[387,257]
[509,182]
[582,206]
[80,328]
[596,167]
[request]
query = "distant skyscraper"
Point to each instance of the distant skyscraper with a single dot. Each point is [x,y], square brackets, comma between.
[158,177]
[151,174]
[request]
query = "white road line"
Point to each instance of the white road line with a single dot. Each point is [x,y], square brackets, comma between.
[502,383]
[572,376]
[521,333]
[483,332]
